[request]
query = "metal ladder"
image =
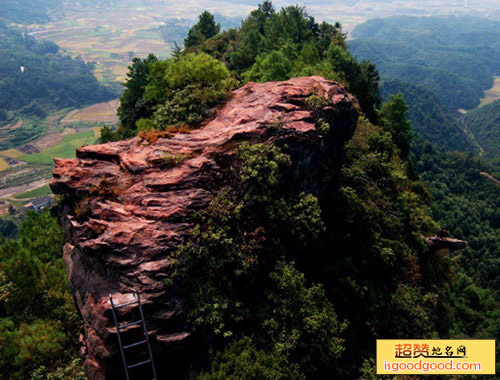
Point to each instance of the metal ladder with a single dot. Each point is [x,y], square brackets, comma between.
[119,328]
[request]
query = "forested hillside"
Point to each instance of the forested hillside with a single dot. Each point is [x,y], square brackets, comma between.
[27,11]
[38,322]
[484,124]
[440,65]
[35,77]
[466,203]
[454,57]
[430,119]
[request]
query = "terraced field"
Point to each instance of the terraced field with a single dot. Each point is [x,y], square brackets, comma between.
[97,113]
[3,165]
[126,33]
[27,169]
[11,153]
[21,131]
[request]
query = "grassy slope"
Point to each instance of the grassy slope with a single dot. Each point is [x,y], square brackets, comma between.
[65,149]
[38,192]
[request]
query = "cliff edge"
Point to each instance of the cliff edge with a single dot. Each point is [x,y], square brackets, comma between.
[126,206]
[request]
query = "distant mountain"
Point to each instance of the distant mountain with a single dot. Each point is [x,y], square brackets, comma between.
[454,57]
[41,11]
[27,11]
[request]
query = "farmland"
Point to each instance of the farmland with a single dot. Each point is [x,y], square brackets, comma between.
[21,131]
[3,165]
[65,149]
[37,192]
[493,94]
[97,113]
[127,33]
[26,168]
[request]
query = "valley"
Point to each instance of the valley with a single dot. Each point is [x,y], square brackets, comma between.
[131,28]
[127,33]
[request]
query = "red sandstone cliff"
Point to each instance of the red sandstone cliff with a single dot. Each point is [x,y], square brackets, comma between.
[126,207]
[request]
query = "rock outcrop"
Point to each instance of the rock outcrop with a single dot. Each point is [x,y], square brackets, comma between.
[126,207]
[435,244]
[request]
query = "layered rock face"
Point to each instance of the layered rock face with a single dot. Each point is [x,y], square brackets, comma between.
[127,206]
[435,244]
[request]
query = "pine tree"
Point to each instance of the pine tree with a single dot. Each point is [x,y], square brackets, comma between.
[267,8]
[203,30]
[394,113]
[132,108]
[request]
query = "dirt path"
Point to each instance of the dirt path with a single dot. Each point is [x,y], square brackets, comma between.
[472,138]
[490,177]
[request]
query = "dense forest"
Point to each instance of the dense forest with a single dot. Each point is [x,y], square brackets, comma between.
[430,119]
[40,11]
[454,57]
[26,11]
[484,124]
[466,203]
[288,285]
[439,64]
[35,77]
[38,321]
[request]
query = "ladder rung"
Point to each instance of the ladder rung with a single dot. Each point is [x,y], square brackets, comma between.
[135,344]
[138,364]
[129,324]
[126,304]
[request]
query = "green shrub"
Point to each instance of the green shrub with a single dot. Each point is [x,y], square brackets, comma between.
[40,342]
[73,371]
[172,160]
[242,360]
[185,88]
[302,323]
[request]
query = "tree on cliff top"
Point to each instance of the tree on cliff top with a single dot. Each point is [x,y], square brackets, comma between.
[133,105]
[394,120]
[173,92]
[269,46]
[183,90]
[203,30]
